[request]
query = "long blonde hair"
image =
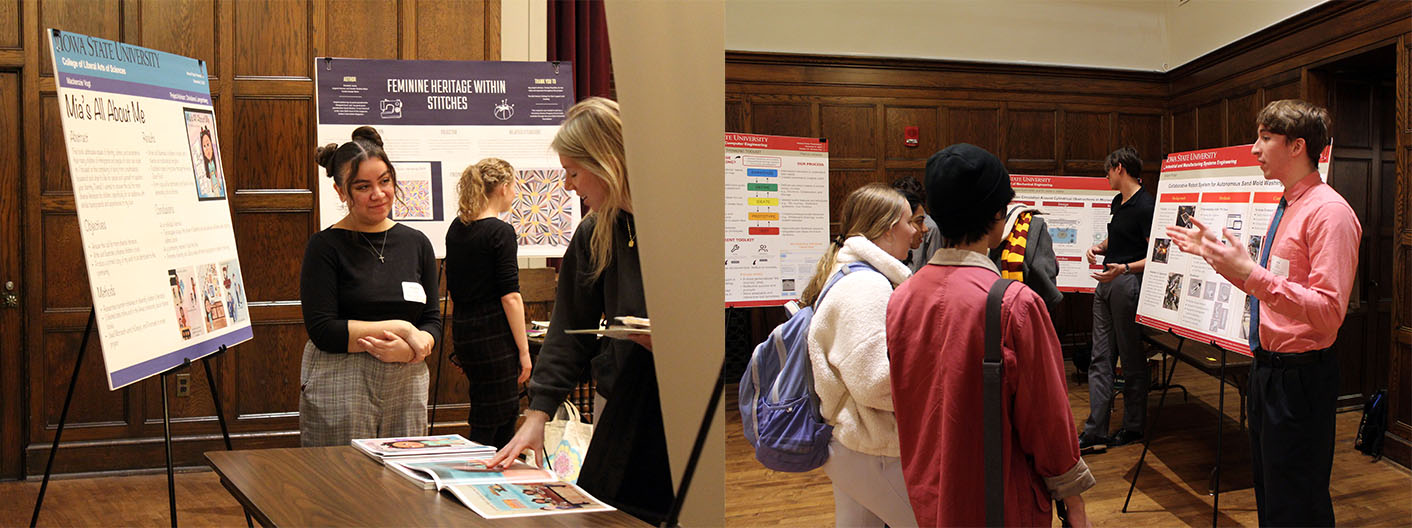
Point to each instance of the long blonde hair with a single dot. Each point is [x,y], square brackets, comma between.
[477,182]
[592,134]
[869,211]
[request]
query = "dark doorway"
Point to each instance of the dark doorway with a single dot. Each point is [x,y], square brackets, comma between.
[1362,102]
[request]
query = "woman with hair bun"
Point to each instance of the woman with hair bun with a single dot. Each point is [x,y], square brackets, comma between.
[368,291]
[483,279]
[601,277]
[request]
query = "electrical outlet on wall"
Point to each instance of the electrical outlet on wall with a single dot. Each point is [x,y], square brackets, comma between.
[183,388]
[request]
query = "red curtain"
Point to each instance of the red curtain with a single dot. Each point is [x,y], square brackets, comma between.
[578,32]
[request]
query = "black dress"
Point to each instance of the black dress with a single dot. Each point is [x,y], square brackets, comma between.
[626,465]
[480,269]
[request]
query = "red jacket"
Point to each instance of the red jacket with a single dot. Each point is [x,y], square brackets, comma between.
[936,339]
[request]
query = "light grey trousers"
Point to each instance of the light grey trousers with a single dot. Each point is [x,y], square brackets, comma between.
[348,396]
[1115,329]
[868,490]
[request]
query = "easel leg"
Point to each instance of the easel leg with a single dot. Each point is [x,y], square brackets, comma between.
[1152,426]
[1220,421]
[63,418]
[220,414]
[167,436]
[680,499]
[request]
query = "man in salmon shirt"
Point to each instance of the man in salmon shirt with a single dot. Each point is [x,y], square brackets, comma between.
[936,339]
[1298,296]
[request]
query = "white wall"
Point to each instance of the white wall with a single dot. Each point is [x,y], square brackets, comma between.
[523,30]
[1199,27]
[1101,33]
[1147,35]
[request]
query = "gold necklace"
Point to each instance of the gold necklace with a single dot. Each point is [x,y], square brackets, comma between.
[631,239]
[375,250]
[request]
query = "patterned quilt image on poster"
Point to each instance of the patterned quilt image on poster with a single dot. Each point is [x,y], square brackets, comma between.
[543,212]
[416,202]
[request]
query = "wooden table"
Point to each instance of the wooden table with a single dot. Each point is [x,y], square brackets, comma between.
[339,486]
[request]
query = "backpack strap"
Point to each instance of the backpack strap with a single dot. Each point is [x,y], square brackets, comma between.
[993,376]
[844,270]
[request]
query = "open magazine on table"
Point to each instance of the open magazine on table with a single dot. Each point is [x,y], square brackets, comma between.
[439,472]
[503,500]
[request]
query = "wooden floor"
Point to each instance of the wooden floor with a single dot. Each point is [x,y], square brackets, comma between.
[1172,490]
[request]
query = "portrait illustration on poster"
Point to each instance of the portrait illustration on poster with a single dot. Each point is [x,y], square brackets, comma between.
[235,290]
[205,163]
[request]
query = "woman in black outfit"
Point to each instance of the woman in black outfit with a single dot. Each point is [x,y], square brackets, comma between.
[626,464]
[483,277]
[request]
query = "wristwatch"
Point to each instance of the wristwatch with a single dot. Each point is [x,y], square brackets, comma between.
[1127,270]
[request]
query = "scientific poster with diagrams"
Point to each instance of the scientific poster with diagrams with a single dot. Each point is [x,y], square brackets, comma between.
[438,117]
[1222,188]
[1076,210]
[777,216]
[151,197]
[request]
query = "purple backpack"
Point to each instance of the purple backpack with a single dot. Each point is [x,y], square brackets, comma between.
[778,406]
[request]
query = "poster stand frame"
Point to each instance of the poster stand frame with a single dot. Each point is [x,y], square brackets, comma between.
[166,423]
[1215,488]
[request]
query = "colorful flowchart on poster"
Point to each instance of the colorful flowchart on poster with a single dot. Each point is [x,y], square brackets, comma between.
[777,216]
[151,197]
[1222,188]
[438,117]
[1076,210]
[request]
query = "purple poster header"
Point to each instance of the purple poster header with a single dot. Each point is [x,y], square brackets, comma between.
[423,92]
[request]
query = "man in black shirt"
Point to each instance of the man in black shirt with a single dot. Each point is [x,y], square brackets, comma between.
[1115,307]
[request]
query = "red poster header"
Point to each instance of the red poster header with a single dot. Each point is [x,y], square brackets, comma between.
[1181,197]
[1220,158]
[759,141]
[1064,204]
[1081,183]
[1225,197]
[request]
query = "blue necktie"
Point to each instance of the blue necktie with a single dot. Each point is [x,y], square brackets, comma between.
[1264,260]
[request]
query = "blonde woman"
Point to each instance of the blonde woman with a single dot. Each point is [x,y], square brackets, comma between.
[483,278]
[626,464]
[848,351]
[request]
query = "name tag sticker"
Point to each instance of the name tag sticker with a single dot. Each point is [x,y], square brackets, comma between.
[413,292]
[1279,266]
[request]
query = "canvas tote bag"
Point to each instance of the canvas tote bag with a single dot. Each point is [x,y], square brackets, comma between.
[566,440]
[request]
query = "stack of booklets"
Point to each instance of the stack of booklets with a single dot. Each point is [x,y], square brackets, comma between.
[383,449]
[520,490]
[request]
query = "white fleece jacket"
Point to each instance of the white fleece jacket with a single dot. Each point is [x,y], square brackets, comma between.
[848,350]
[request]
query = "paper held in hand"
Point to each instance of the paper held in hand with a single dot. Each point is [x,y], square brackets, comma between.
[626,326]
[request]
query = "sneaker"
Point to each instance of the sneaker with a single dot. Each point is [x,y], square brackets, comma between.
[1092,446]
[1124,437]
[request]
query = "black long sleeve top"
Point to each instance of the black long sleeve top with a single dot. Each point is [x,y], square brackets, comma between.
[480,262]
[343,279]
[582,302]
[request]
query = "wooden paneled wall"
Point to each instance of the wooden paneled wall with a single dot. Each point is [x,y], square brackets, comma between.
[1037,120]
[259,54]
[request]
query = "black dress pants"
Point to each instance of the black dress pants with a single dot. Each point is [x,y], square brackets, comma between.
[1291,409]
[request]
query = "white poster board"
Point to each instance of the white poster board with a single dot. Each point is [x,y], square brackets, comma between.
[438,117]
[151,197]
[1076,211]
[777,216]
[1222,188]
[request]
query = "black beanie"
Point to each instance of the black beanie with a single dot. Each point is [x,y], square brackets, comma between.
[967,181]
